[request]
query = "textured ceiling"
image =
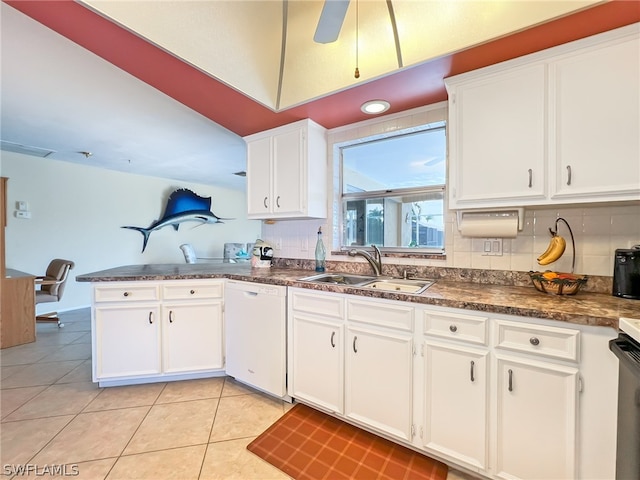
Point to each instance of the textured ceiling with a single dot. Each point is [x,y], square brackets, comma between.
[265,49]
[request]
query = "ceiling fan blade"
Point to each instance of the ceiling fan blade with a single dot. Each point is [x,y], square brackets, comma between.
[330,23]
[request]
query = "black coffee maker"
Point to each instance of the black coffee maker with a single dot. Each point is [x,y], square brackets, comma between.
[626,273]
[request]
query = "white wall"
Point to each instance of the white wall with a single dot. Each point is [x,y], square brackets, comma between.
[77,212]
[599,229]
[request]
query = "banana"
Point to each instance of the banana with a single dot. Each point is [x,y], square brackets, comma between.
[554,251]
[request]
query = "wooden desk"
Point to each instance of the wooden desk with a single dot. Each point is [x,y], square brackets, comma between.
[18,316]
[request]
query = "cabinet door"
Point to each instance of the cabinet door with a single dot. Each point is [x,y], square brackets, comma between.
[289,172]
[192,337]
[379,380]
[259,201]
[126,341]
[318,361]
[535,420]
[597,122]
[456,402]
[498,138]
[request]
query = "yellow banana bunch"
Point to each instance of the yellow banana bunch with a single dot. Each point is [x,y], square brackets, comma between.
[554,251]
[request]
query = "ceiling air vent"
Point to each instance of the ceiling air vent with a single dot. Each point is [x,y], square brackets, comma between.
[25,149]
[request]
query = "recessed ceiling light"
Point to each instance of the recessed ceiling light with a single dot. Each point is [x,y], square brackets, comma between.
[373,107]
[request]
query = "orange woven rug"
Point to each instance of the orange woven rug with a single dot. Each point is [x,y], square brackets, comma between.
[309,445]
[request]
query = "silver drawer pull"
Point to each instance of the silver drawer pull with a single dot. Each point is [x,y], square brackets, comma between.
[192,292]
[333,336]
[126,294]
[355,350]
[264,202]
[150,317]
[534,341]
[510,380]
[530,178]
[278,201]
[473,364]
[568,174]
[170,316]
[453,328]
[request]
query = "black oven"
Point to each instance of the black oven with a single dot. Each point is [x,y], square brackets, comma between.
[627,349]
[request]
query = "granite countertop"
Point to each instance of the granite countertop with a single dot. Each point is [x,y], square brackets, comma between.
[585,308]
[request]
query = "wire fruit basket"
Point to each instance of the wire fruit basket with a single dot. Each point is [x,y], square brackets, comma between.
[558,283]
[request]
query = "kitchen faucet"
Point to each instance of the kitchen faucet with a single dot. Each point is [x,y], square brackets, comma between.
[374,260]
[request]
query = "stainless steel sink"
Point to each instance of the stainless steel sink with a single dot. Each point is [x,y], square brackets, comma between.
[339,279]
[400,285]
[389,284]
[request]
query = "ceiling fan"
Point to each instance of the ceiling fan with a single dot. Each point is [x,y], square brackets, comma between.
[331,19]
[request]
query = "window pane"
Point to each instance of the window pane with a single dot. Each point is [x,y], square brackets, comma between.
[400,221]
[406,161]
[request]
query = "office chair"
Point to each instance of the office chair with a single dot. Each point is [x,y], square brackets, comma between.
[52,287]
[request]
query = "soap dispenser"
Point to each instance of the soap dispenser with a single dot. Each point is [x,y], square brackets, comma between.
[321,253]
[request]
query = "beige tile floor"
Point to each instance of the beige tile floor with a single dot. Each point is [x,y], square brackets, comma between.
[52,414]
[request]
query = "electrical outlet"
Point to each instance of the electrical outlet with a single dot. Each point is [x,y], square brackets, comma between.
[278,244]
[20,214]
[304,244]
[22,206]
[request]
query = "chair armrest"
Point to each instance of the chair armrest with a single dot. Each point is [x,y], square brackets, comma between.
[43,281]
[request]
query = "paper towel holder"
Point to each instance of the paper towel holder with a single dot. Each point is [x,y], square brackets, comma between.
[518,212]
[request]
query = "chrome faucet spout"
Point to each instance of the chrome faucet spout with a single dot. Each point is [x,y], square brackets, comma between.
[374,260]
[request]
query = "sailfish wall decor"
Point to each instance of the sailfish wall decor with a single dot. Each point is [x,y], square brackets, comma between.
[183,205]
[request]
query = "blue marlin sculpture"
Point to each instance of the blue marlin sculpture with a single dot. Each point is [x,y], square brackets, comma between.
[183,205]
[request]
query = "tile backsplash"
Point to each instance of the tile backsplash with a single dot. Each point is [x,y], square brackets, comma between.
[599,229]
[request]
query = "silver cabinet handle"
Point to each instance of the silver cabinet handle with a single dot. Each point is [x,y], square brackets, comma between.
[568,174]
[333,336]
[264,202]
[534,341]
[355,350]
[510,380]
[278,201]
[126,294]
[473,364]
[453,328]
[170,316]
[192,292]
[530,178]
[150,317]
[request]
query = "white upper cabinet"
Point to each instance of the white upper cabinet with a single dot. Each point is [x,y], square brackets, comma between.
[557,126]
[287,172]
[597,122]
[498,137]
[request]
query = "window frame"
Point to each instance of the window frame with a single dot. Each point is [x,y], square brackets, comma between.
[391,193]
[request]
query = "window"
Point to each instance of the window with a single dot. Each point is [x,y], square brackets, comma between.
[393,191]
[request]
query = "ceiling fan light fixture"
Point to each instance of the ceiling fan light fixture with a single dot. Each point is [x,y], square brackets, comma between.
[374,107]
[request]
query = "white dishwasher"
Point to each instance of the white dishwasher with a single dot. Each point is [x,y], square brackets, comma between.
[256,335]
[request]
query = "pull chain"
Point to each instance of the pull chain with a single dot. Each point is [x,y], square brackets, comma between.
[357,72]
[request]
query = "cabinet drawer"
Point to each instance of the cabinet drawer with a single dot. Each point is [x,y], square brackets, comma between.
[562,343]
[189,290]
[133,292]
[457,326]
[382,314]
[325,305]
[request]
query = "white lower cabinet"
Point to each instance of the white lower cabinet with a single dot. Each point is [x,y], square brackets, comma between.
[379,380]
[129,341]
[535,419]
[191,336]
[498,395]
[318,362]
[456,399]
[316,348]
[155,331]
[456,386]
